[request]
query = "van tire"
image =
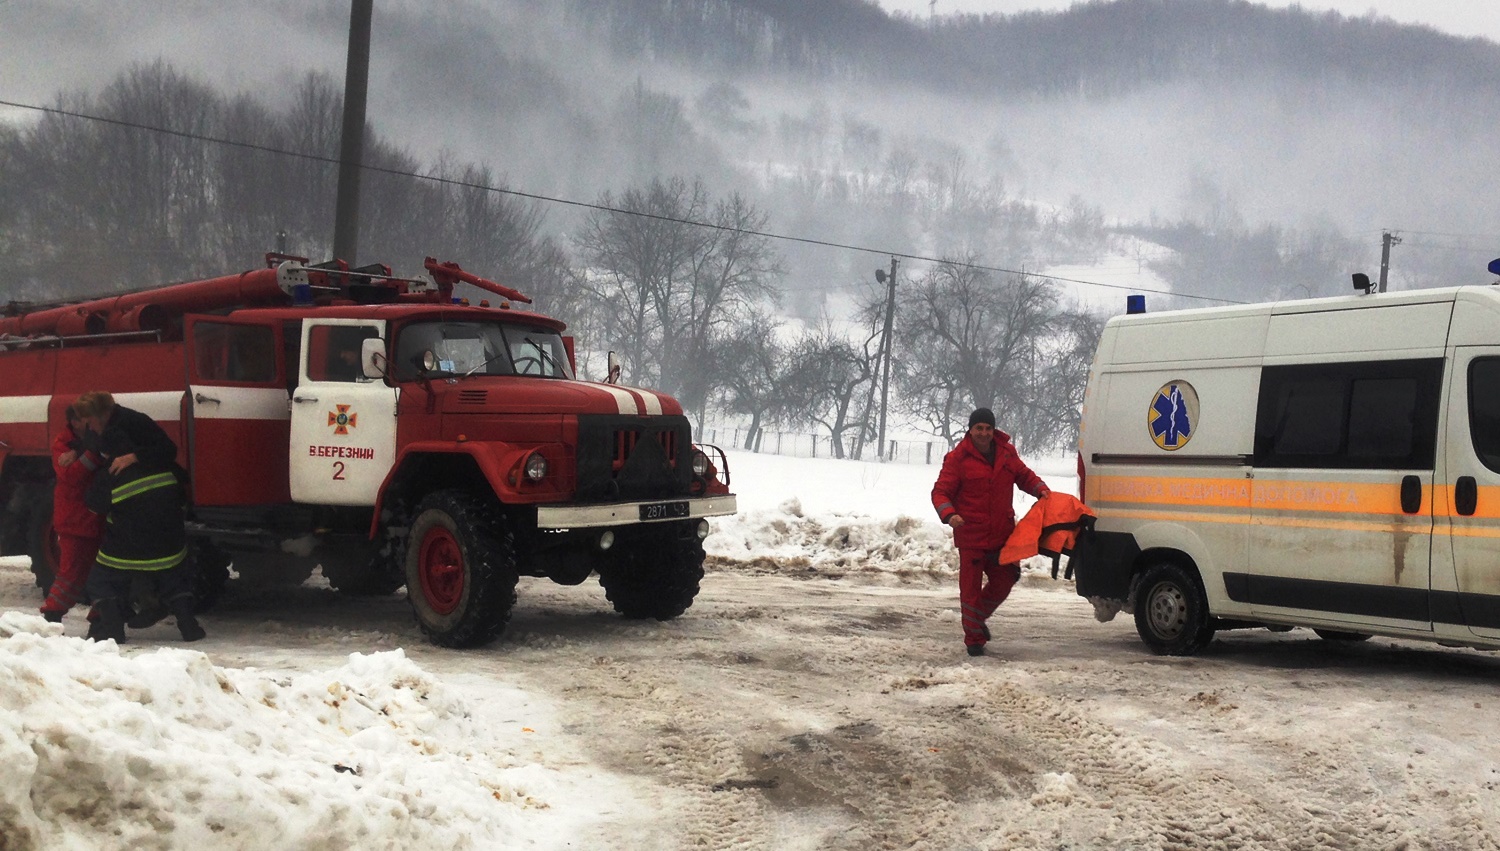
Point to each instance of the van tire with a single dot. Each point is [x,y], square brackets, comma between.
[1336,635]
[460,569]
[1171,611]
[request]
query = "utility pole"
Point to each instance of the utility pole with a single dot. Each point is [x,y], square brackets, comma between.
[352,139]
[885,344]
[1387,239]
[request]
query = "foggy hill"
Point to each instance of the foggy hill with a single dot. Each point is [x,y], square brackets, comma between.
[1272,145]
[1095,47]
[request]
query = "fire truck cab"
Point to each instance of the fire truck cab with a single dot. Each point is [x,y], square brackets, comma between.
[378,427]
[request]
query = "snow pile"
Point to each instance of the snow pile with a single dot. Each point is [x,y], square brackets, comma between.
[847,516]
[166,750]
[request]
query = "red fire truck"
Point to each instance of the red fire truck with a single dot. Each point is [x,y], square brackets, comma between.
[379,427]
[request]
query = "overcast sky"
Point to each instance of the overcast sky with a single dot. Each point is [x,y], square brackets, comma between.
[1459,17]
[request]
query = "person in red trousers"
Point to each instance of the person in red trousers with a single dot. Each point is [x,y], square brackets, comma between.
[975,495]
[78,528]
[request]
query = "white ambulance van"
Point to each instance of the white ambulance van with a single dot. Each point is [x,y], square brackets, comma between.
[1332,463]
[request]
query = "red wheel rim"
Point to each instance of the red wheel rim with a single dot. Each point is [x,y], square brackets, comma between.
[441,570]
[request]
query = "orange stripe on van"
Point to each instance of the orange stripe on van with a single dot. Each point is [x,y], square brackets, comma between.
[1285,497]
[1156,490]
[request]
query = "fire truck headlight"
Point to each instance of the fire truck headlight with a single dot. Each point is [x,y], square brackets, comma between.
[536,467]
[700,463]
[702,529]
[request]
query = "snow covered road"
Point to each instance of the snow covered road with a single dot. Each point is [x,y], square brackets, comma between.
[787,713]
[816,696]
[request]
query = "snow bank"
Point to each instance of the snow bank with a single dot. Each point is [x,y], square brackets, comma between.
[166,750]
[847,516]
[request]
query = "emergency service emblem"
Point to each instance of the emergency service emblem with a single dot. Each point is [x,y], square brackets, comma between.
[343,420]
[1173,415]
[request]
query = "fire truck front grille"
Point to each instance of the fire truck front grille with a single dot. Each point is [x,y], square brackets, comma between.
[623,458]
[626,440]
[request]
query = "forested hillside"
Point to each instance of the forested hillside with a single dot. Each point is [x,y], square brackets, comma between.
[1216,148]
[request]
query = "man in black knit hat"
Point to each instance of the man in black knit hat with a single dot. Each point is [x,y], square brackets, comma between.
[974,495]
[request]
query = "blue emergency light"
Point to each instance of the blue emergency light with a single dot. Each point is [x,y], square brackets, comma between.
[1135,304]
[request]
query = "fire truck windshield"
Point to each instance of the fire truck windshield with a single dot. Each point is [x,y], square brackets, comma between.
[481,348]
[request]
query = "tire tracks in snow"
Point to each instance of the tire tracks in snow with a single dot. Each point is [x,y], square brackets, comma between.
[1131,791]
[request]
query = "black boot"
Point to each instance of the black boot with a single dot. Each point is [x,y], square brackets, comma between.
[146,608]
[111,621]
[183,606]
[150,614]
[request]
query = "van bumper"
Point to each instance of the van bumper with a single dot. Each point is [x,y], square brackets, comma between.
[1103,564]
[633,513]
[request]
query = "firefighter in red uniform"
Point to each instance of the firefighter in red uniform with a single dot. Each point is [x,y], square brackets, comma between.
[974,495]
[78,529]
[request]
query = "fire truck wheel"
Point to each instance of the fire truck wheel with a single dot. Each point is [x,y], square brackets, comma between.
[460,569]
[41,544]
[1171,611]
[654,576]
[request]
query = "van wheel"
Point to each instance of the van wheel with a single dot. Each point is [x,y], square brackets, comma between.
[460,569]
[1171,611]
[655,575]
[1336,635]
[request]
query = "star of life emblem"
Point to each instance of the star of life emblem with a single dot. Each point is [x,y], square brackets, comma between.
[1173,415]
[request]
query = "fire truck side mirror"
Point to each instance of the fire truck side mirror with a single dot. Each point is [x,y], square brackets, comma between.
[614,369]
[372,357]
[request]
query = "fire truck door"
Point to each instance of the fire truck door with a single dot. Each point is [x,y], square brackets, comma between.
[343,439]
[237,431]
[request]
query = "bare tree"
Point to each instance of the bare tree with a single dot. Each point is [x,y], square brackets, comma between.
[824,382]
[968,340]
[752,371]
[670,274]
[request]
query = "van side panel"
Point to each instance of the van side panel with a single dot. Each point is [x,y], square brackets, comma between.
[1386,333]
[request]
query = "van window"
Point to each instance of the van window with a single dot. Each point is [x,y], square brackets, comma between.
[1484,410]
[1373,415]
[1382,417]
[1309,417]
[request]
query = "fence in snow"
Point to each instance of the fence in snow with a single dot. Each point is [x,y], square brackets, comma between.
[804,445]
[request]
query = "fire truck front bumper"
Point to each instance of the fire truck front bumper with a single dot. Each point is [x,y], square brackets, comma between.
[633,513]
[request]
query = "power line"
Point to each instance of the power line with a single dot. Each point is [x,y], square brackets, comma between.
[446,181]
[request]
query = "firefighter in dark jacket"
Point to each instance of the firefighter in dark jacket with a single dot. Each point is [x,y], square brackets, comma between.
[141,498]
[974,494]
